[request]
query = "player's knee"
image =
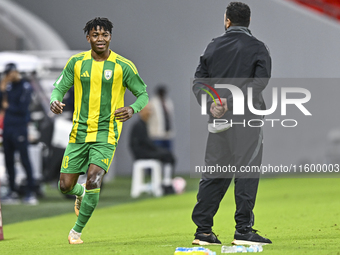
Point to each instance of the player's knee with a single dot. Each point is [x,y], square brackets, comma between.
[92,184]
[94,180]
[64,187]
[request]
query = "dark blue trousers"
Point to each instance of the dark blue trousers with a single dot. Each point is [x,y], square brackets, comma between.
[15,139]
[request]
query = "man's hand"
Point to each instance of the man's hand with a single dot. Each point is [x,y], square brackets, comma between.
[4,104]
[57,107]
[124,113]
[4,82]
[217,110]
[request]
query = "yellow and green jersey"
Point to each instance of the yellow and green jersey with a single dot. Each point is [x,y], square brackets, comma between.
[99,89]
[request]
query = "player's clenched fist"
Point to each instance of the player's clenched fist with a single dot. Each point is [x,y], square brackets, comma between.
[124,113]
[57,107]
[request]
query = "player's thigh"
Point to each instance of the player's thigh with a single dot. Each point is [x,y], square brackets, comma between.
[101,154]
[76,158]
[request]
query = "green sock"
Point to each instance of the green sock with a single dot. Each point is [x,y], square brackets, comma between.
[88,204]
[77,190]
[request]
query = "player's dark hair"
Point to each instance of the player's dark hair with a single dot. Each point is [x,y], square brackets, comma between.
[239,14]
[101,22]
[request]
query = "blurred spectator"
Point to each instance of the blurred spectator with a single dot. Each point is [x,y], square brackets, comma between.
[144,148]
[161,121]
[333,147]
[16,97]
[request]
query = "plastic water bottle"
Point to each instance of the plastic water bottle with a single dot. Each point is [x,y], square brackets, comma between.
[241,249]
[181,250]
[255,248]
[193,251]
[233,249]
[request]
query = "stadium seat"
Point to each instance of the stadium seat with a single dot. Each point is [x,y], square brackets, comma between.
[138,178]
[327,7]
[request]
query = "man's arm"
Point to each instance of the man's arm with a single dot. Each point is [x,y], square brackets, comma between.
[201,75]
[3,100]
[62,85]
[133,82]
[3,83]
[138,88]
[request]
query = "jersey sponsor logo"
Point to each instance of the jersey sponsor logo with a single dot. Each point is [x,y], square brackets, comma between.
[105,161]
[108,74]
[85,74]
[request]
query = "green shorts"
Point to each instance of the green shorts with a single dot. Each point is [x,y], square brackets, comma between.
[78,156]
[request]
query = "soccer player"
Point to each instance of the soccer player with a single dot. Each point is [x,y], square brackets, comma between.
[100,78]
[236,58]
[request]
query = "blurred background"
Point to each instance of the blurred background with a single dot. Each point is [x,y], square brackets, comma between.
[165,39]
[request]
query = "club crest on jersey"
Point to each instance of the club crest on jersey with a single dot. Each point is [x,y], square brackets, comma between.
[108,74]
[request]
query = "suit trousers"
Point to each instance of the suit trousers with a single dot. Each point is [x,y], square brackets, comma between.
[238,149]
[15,139]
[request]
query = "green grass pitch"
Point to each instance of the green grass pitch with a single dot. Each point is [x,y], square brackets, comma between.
[300,216]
